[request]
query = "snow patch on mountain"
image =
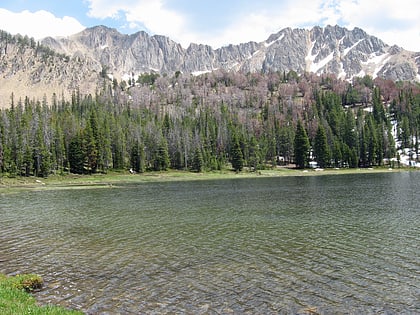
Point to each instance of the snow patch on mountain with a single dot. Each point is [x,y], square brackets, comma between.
[345,52]
[272,42]
[342,75]
[316,66]
[309,59]
[375,63]
[197,73]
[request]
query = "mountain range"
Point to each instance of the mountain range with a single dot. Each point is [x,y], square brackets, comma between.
[80,61]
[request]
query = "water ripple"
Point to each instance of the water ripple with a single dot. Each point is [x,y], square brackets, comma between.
[222,247]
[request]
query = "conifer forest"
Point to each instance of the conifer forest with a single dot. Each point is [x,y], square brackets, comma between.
[217,120]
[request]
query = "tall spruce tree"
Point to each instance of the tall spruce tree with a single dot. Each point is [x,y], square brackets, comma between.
[301,146]
[161,161]
[237,158]
[137,160]
[321,148]
[198,161]
[76,154]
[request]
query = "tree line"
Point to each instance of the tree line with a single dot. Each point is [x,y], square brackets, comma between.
[209,122]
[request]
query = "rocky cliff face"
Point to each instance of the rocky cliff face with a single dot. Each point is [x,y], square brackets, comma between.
[332,49]
[27,69]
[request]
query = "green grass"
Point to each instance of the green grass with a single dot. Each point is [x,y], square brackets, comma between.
[72,181]
[15,297]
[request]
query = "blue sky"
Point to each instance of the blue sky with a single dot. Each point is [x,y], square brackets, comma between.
[216,22]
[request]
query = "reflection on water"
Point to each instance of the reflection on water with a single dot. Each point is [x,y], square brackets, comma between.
[341,244]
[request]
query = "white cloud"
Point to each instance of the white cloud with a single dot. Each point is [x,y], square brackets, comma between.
[38,24]
[395,22]
[157,19]
[150,14]
[392,21]
[259,25]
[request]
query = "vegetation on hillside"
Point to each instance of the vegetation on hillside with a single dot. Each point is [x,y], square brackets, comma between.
[210,122]
[25,42]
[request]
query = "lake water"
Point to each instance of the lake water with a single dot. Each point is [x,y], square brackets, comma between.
[341,244]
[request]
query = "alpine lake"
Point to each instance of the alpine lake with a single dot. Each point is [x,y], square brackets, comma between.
[330,244]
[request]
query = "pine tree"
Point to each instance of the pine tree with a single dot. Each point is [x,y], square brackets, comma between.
[353,160]
[254,154]
[161,161]
[337,153]
[237,158]
[137,157]
[404,132]
[197,160]
[91,148]
[378,109]
[373,140]
[321,149]
[349,132]
[301,146]
[363,154]
[76,155]
[285,140]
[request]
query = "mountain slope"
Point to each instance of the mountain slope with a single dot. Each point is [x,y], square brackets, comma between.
[33,70]
[79,60]
[332,49]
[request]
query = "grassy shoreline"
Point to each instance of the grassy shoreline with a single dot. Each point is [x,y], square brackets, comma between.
[72,181]
[15,297]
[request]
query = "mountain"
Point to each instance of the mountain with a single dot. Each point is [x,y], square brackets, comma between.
[79,60]
[332,49]
[30,69]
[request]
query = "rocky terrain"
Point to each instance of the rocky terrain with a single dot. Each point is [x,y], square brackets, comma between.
[83,60]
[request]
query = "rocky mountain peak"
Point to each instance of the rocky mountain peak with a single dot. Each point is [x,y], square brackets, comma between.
[334,49]
[85,55]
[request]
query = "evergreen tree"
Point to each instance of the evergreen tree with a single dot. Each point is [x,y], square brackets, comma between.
[38,151]
[254,154]
[378,109]
[118,145]
[405,132]
[353,160]
[285,140]
[161,160]
[349,132]
[337,153]
[363,154]
[237,159]
[105,150]
[91,148]
[76,155]
[137,157]
[28,161]
[301,144]
[58,148]
[372,140]
[237,118]
[198,162]
[321,149]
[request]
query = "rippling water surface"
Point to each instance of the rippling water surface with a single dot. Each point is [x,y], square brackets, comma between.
[343,244]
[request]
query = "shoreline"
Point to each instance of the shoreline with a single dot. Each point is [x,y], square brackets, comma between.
[16,297]
[74,181]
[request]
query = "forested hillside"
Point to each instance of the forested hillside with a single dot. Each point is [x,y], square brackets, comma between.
[214,121]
